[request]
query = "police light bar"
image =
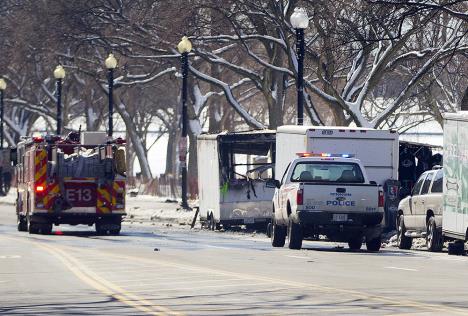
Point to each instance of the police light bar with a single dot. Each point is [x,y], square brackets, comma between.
[324,155]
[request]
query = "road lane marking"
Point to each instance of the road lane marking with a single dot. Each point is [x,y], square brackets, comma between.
[108,288]
[389,301]
[10,257]
[217,247]
[362,295]
[100,284]
[404,269]
[297,257]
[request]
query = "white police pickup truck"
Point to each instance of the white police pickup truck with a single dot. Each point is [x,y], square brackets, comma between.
[327,194]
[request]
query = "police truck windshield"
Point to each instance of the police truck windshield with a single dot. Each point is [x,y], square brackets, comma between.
[327,171]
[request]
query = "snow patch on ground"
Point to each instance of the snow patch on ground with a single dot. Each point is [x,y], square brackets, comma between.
[390,240]
[10,198]
[147,208]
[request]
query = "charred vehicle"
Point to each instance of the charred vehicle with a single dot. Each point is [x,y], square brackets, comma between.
[233,171]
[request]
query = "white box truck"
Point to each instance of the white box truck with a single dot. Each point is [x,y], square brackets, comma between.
[377,149]
[455,188]
[233,169]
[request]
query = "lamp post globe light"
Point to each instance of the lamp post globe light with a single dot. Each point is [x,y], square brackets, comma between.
[300,21]
[184,48]
[2,89]
[111,64]
[59,74]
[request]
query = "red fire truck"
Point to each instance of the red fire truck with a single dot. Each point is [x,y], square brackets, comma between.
[75,180]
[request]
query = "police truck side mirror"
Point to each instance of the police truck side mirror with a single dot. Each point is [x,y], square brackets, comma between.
[272,183]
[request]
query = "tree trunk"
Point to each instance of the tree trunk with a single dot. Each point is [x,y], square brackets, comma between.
[464,102]
[214,104]
[171,152]
[138,146]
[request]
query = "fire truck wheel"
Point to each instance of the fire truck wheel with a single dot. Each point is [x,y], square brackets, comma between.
[100,230]
[116,230]
[46,229]
[22,224]
[5,185]
[33,228]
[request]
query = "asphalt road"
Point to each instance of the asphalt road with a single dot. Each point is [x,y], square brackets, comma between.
[160,270]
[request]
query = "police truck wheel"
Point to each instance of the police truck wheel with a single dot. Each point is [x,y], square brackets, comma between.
[355,243]
[403,242]
[278,235]
[294,235]
[374,244]
[268,230]
[434,241]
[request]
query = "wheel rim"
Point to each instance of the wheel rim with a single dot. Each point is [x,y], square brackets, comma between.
[399,230]
[212,222]
[430,237]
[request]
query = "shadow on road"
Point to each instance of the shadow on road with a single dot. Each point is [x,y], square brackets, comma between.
[382,252]
[108,306]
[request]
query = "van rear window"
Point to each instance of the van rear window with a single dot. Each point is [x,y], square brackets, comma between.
[315,171]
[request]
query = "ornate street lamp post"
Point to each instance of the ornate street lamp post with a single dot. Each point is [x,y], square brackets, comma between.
[111,64]
[59,74]
[2,89]
[184,48]
[300,21]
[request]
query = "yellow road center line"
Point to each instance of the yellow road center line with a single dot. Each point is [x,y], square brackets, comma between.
[126,295]
[362,295]
[100,284]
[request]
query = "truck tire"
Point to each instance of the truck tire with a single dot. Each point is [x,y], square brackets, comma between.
[355,243]
[403,242]
[6,184]
[434,240]
[115,231]
[33,228]
[278,234]
[374,244]
[268,230]
[456,248]
[294,235]
[212,224]
[45,229]
[22,224]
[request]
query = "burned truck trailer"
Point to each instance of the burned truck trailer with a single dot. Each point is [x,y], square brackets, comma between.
[233,169]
